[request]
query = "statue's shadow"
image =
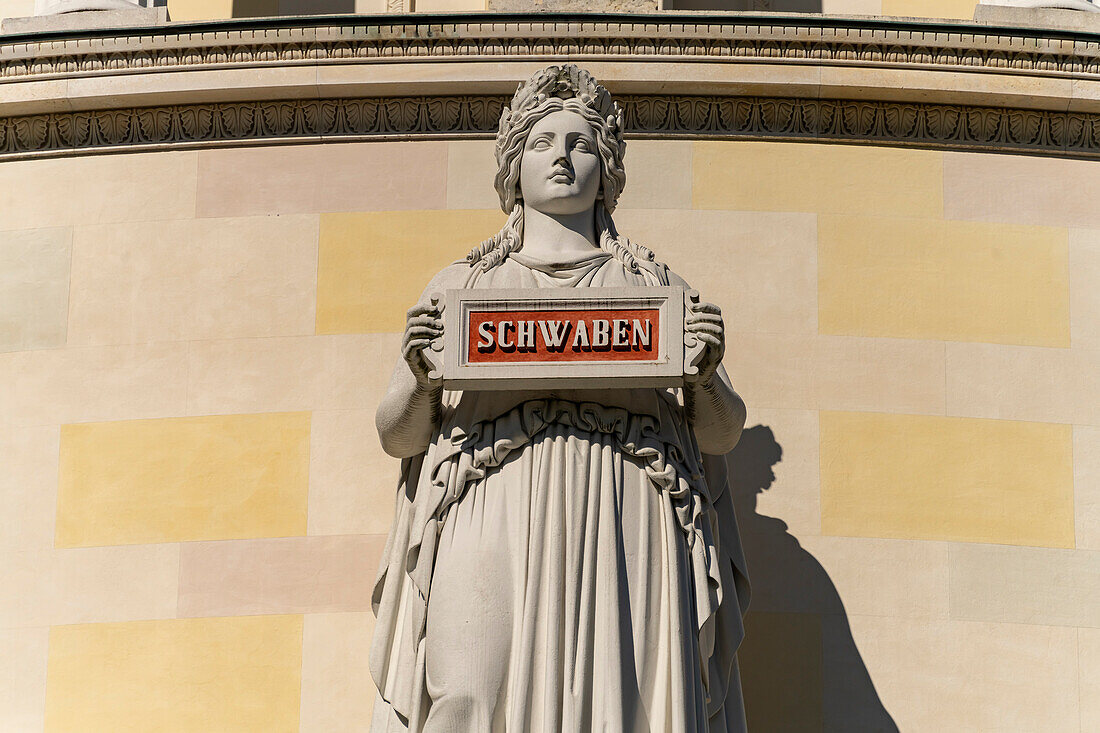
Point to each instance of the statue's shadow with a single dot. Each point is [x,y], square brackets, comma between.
[800,668]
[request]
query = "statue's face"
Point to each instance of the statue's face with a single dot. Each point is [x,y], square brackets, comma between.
[560,167]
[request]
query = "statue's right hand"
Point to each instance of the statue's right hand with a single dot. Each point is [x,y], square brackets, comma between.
[424,325]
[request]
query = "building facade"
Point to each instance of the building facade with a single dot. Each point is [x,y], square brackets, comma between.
[210,231]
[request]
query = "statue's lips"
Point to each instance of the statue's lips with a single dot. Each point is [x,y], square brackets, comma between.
[561,177]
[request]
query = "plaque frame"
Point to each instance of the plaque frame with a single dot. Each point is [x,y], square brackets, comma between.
[667,369]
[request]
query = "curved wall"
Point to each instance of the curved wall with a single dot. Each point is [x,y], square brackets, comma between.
[198,320]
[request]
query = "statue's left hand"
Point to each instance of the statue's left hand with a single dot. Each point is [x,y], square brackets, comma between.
[704,322]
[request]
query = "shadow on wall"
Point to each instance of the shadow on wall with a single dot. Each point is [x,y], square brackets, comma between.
[268,8]
[778,6]
[800,668]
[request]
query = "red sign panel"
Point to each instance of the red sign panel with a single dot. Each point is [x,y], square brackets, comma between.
[524,336]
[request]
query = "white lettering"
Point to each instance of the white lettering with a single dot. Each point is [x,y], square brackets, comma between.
[620,332]
[641,336]
[580,339]
[553,333]
[525,335]
[601,333]
[504,327]
[485,331]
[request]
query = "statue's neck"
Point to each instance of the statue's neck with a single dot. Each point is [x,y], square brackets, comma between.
[547,236]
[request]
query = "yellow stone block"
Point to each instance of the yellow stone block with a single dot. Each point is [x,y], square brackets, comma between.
[949,280]
[374,265]
[929,8]
[213,674]
[942,478]
[827,179]
[180,479]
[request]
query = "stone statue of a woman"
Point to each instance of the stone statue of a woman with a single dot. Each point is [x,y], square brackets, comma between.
[562,560]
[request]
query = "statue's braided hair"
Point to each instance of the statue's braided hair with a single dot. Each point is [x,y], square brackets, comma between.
[555,88]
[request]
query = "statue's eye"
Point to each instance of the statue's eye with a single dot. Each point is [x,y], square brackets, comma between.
[582,145]
[541,143]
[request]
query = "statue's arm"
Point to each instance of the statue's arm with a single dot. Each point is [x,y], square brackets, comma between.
[716,411]
[408,415]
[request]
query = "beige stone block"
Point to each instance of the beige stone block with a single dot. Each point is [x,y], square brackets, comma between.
[963,9]
[34,288]
[1025,585]
[102,383]
[177,676]
[831,179]
[214,477]
[851,7]
[16,8]
[936,478]
[372,176]
[971,677]
[837,372]
[659,175]
[97,189]
[196,279]
[851,701]
[926,279]
[1021,188]
[184,10]
[1088,651]
[1086,486]
[352,482]
[23,678]
[1023,383]
[89,585]
[881,577]
[286,374]
[760,268]
[337,688]
[450,6]
[1084,287]
[28,488]
[774,477]
[280,575]
[373,266]
[471,168]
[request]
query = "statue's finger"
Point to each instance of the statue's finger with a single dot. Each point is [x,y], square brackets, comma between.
[704,318]
[418,344]
[709,339]
[423,332]
[424,321]
[711,328]
[420,309]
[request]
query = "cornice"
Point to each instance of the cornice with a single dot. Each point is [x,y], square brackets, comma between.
[732,36]
[959,85]
[750,118]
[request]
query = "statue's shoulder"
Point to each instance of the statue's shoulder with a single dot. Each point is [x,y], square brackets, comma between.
[674,279]
[454,275]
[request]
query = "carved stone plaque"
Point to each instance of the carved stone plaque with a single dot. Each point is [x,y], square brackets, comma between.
[578,338]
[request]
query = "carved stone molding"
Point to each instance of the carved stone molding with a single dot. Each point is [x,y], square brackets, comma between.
[747,37]
[272,122]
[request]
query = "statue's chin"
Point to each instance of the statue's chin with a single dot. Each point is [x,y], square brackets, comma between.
[567,203]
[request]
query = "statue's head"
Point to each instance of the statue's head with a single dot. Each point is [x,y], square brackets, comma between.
[560,109]
[560,112]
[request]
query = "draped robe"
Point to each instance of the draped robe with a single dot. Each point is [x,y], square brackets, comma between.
[622,572]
